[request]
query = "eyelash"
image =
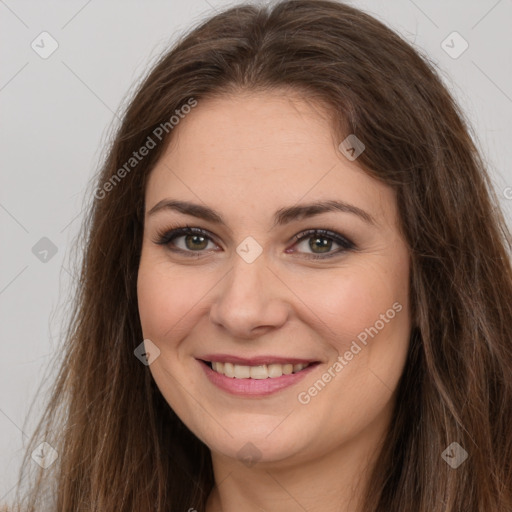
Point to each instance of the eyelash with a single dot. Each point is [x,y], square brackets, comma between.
[167,236]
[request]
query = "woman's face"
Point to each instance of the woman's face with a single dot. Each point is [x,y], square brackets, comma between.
[294,259]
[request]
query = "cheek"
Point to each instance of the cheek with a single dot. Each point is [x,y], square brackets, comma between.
[170,304]
[342,305]
[363,314]
[168,299]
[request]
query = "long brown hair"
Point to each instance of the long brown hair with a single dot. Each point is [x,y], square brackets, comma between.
[120,445]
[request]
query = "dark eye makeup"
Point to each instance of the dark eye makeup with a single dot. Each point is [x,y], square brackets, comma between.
[194,242]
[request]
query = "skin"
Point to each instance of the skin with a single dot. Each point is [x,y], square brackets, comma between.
[247,156]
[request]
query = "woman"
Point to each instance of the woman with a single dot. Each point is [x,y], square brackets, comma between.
[296,291]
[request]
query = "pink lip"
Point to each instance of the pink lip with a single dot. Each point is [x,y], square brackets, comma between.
[254,387]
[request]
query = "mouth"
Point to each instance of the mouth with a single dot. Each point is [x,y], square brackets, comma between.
[258,372]
[255,377]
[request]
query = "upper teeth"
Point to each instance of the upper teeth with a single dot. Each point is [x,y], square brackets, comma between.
[263,371]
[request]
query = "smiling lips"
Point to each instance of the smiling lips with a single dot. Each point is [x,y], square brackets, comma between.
[254,377]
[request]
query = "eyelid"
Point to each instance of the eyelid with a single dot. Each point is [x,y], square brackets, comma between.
[345,243]
[328,233]
[164,237]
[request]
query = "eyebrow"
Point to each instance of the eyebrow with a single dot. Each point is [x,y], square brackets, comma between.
[281,217]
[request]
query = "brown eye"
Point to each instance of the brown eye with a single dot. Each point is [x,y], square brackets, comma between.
[187,240]
[321,243]
[196,242]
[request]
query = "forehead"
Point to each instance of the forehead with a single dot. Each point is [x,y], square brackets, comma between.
[269,149]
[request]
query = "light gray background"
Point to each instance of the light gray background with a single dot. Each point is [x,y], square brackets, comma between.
[56,114]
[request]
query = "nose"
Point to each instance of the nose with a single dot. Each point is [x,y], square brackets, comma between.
[250,301]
